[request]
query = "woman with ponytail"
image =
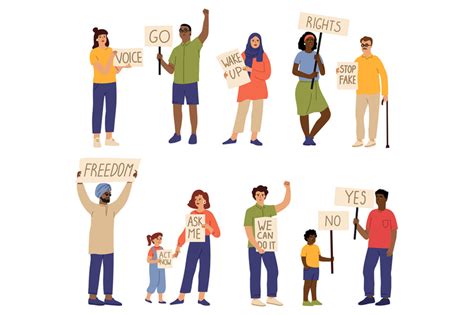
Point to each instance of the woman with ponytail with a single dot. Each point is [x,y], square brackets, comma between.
[259,70]
[102,58]
[157,275]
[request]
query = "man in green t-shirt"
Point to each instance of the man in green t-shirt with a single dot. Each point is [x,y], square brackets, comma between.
[256,252]
[184,63]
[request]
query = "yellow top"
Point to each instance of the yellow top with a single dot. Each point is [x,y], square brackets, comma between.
[102,56]
[370,68]
[311,252]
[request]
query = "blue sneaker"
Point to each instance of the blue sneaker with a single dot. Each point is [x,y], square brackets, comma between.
[112,302]
[177,301]
[96,302]
[309,141]
[204,302]
[162,302]
[193,139]
[230,141]
[367,300]
[175,138]
[383,301]
[255,142]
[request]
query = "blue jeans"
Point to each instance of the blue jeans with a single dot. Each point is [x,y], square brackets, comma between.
[109,92]
[94,273]
[255,263]
[371,259]
[197,252]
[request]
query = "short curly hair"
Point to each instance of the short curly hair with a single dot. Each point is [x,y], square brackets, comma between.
[309,233]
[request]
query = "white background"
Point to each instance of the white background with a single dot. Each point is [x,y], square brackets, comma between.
[46,105]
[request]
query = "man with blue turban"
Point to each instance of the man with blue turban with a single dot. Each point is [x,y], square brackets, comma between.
[101,237]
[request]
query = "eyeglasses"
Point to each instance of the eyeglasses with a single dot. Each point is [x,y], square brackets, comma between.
[365,45]
[183,30]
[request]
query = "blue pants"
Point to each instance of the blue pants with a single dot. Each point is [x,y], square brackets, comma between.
[197,252]
[94,273]
[157,280]
[109,92]
[255,263]
[371,259]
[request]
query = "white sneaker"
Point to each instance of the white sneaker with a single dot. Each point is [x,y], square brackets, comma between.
[97,143]
[371,143]
[358,143]
[272,300]
[257,302]
[111,142]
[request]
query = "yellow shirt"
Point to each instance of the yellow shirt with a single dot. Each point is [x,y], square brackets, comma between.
[311,252]
[102,56]
[370,68]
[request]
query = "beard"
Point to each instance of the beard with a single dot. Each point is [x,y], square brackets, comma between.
[105,200]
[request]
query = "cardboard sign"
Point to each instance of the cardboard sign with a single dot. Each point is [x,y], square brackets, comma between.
[266,233]
[347,75]
[333,220]
[354,197]
[233,64]
[323,24]
[159,36]
[194,230]
[132,56]
[107,170]
[165,257]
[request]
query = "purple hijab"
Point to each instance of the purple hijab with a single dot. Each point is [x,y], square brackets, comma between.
[251,52]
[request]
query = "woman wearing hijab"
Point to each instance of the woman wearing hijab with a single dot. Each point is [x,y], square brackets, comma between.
[259,70]
[309,100]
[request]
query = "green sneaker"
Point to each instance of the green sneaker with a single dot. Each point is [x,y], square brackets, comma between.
[307,303]
[316,302]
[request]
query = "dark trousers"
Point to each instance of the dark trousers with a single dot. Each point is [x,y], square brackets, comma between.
[255,263]
[109,92]
[197,252]
[371,259]
[94,273]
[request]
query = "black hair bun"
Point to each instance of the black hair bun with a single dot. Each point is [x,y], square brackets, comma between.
[95,29]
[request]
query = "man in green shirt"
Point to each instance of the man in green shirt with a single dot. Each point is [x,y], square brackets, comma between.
[256,252]
[184,63]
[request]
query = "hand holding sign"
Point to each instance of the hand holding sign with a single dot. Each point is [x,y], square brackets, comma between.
[208,227]
[266,234]
[347,75]
[160,36]
[132,56]
[195,231]
[164,258]
[108,169]
[333,220]
[234,67]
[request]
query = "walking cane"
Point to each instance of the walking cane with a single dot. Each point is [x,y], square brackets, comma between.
[386,115]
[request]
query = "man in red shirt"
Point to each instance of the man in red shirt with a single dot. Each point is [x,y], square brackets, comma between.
[381,231]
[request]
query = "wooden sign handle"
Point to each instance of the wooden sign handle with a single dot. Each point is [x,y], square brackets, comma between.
[159,61]
[317,53]
[332,254]
[355,225]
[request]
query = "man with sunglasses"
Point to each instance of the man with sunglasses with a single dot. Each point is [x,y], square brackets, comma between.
[101,237]
[184,64]
[368,92]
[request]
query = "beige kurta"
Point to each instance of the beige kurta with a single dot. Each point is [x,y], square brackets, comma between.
[101,236]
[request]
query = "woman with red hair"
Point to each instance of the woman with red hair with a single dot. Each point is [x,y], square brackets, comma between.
[198,251]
